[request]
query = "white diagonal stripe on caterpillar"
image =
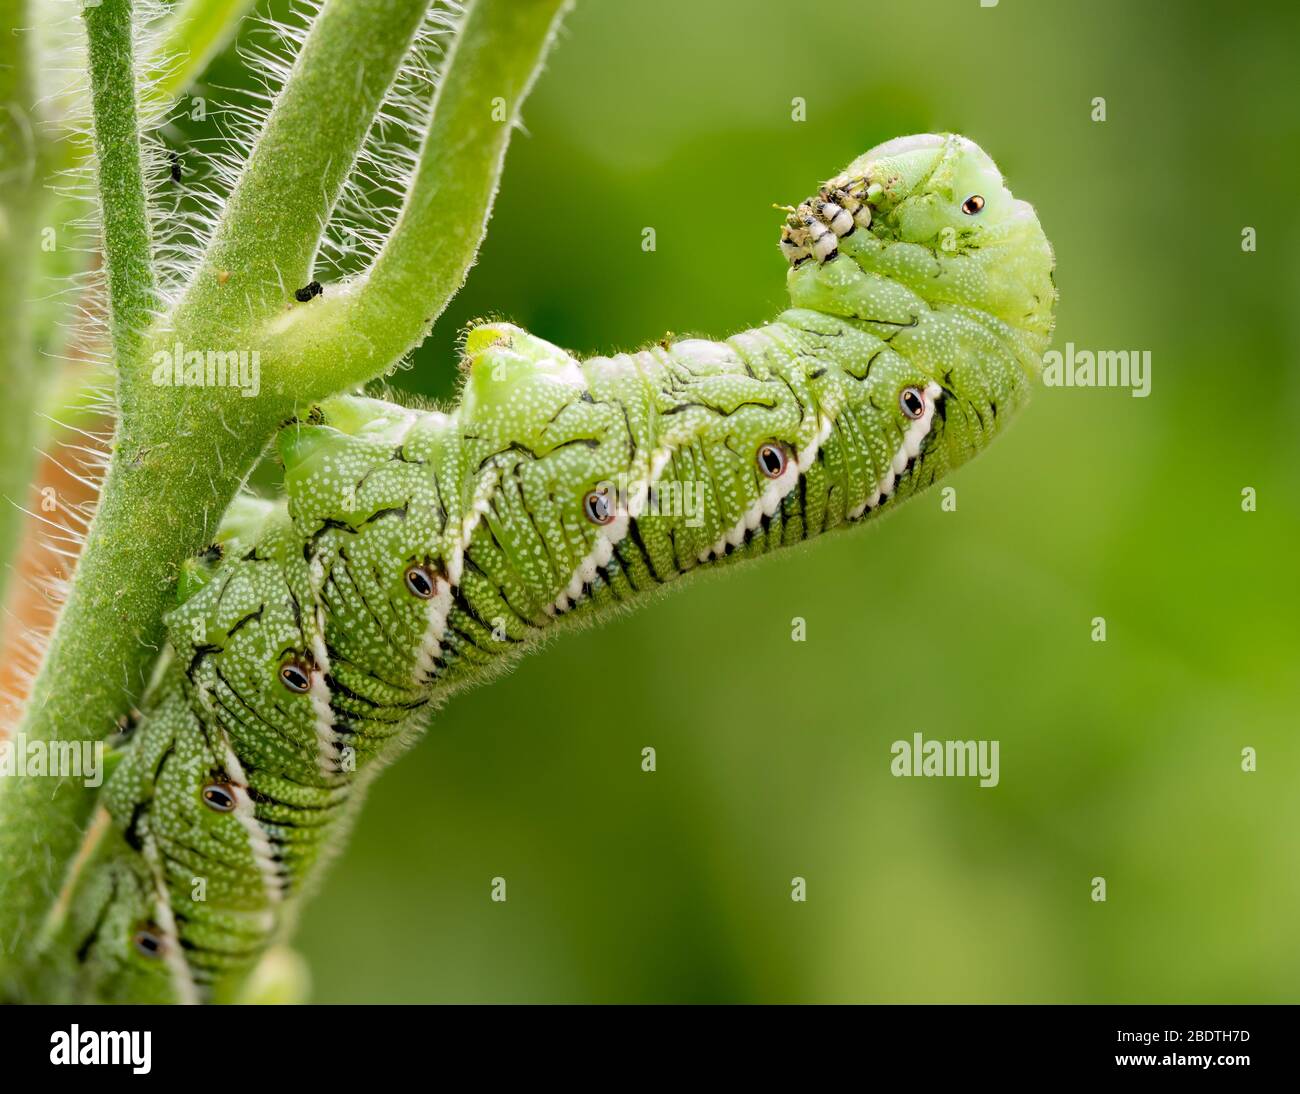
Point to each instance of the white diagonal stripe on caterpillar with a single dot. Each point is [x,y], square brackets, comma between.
[438,608]
[259,843]
[602,550]
[245,812]
[178,968]
[327,741]
[482,502]
[909,449]
[776,491]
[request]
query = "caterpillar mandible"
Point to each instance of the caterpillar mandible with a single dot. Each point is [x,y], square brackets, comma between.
[416,550]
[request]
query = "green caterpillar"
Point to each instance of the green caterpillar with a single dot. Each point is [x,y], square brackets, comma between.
[416,549]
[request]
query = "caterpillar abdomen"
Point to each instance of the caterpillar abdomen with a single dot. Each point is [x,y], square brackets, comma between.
[418,549]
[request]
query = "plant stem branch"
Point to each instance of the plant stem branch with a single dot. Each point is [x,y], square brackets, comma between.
[266,241]
[496,57]
[124,215]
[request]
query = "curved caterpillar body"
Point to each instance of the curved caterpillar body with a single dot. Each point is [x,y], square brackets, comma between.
[417,549]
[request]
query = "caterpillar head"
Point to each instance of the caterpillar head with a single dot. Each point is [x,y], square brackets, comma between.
[933,214]
[920,247]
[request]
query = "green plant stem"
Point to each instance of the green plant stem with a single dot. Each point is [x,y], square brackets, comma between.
[380,317]
[266,240]
[124,216]
[428,257]
[182,453]
[189,37]
[40,818]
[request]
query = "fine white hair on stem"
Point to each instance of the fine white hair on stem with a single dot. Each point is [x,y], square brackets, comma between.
[184,211]
[189,180]
[185,215]
[182,200]
[385,167]
[68,301]
[57,522]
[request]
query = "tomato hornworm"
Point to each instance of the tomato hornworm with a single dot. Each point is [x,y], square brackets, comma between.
[416,550]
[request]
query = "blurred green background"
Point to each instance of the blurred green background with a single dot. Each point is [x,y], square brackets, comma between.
[1120,760]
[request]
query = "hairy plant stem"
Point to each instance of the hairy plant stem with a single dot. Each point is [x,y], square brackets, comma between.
[182,452]
[40,818]
[124,214]
[266,241]
[366,325]
[36,377]
[31,314]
